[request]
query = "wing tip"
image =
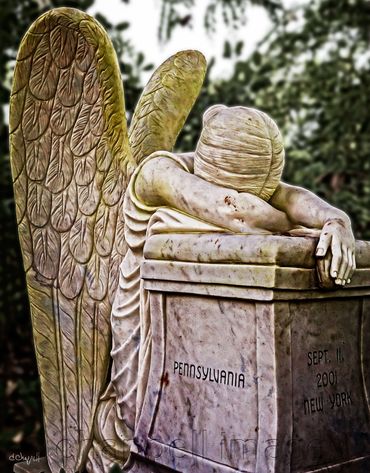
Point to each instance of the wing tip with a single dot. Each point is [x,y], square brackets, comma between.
[59,16]
[192,53]
[190,58]
[62,16]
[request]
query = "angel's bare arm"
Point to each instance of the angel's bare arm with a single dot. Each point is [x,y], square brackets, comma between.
[163,182]
[305,208]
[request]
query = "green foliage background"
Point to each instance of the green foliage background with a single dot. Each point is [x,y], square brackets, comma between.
[311,73]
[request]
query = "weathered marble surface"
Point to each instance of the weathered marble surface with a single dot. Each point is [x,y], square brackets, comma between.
[251,377]
[284,251]
[269,261]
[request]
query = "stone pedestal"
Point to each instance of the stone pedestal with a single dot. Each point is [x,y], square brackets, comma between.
[254,368]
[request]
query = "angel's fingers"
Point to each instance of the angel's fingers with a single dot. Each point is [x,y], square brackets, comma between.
[343,266]
[337,259]
[323,245]
[349,270]
[353,265]
[327,262]
[323,271]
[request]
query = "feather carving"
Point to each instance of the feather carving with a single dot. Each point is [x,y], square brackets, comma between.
[82,140]
[36,116]
[85,168]
[38,153]
[71,272]
[63,44]
[21,76]
[16,102]
[88,197]
[91,86]
[81,238]
[113,185]
[97,277]
[17,144]
[165,103]
[20,186]
[46,251]
[62,117]
[64,209]
[67,102]
[105,224]
[84,54]
[38,204]
[26,243]
[44,72]
[103,156]
[70,86]
[60,170]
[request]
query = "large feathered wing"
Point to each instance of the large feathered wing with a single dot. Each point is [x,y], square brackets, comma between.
[165,103]
[70,162]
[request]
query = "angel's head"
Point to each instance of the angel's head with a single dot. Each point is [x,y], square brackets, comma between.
[240,148]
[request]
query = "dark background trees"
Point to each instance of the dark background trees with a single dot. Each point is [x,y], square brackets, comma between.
[311,73]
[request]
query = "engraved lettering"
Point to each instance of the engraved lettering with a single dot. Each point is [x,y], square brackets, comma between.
[340,399]
[213,375]
[317,357]
[340,358]
[230,377]
[313,405]
[332,401]
[326,378]
[241,381]
[216,375]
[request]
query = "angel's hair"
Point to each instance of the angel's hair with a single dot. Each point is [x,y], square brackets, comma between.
[240,148]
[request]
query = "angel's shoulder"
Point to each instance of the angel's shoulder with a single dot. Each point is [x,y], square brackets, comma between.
[161,161]
[156,173]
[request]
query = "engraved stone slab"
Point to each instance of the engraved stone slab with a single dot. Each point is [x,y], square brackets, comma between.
[205,387]
[254,379]
[330,341]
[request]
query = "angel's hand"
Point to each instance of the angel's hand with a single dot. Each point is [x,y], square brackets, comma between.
[338,263]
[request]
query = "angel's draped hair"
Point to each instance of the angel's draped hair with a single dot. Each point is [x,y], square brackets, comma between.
[240,148]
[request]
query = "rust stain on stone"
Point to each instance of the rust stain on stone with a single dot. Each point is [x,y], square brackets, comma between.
[165,379]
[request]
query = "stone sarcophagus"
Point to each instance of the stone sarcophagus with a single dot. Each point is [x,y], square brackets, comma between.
[253,367]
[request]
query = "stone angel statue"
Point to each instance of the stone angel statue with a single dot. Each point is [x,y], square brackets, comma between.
[89,192]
